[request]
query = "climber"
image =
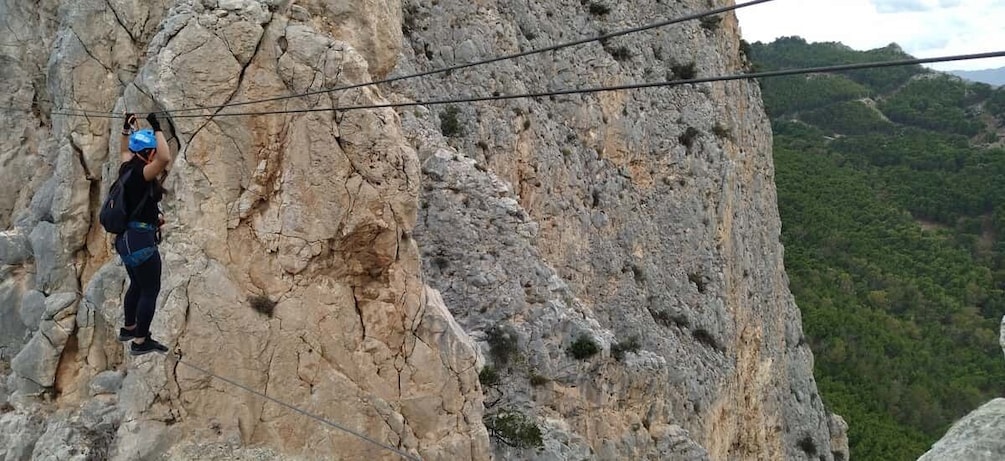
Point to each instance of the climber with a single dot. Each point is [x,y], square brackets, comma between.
[146,154]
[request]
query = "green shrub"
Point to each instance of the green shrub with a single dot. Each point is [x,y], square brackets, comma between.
[722,131]
[583,347]
[410,16]
[630,345]
[808,445]
[710,22]
[489,376]
[620,54]
[513,429]
[100,440]
[684,71]
[662,318]
[689,136]
[703,336]
[745,48]
[262,304]
[450,125]
[598,9]
[502,341]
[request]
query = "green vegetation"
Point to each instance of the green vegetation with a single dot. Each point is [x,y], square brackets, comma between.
[722,131]
[848,117]
[583,347]
[688,137]
[262,304]
[489,376]
[620,53]
[684,71]
[794,52]
[939,104]
[538,380]
[784,95]
[710,22]
[598,9]
[745,48]
[502,343]
[513,429]
[618,349]
[450,124]
[892,210]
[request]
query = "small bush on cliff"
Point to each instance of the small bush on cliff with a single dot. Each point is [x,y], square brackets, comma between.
[513,429]
[722,131]
[630,345]
[450,125]
[745,48]
[598,9]
[537,380]
[808,445]
[621,53]
[689,136]
[583,347]
[710,22]
[100,440]
[684,71]
[705,337]
[409,19]
[489,376]
[502,343]
[262,304]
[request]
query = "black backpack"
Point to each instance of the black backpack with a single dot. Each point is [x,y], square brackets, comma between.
[114,217]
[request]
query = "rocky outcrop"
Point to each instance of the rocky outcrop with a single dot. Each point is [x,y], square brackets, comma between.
[608,263]
[306,218]
[642,222]
[979,436]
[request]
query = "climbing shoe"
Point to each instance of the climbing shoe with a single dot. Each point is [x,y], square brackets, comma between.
[126,335]
[148,346]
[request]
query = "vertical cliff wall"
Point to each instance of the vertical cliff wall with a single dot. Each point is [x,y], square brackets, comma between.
[644,218]
[311,212]
[640,223]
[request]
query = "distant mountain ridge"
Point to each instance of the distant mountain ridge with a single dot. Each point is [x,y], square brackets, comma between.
[994,77]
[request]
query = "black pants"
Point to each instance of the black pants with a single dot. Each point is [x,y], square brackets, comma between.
[144,282]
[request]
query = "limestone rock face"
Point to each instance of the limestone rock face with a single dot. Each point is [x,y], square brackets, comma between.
[979,436]
[18,434]
[644,221]
[839,438]
[39,359]
[609,263]
[310,215]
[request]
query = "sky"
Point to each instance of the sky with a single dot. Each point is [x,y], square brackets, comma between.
[923,28]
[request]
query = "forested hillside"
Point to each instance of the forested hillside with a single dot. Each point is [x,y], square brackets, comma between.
[891,187]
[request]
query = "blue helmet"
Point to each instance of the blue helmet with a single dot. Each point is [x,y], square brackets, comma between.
[142,140]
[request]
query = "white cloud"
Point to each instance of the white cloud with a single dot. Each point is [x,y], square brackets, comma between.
[924,28]
[897,6]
